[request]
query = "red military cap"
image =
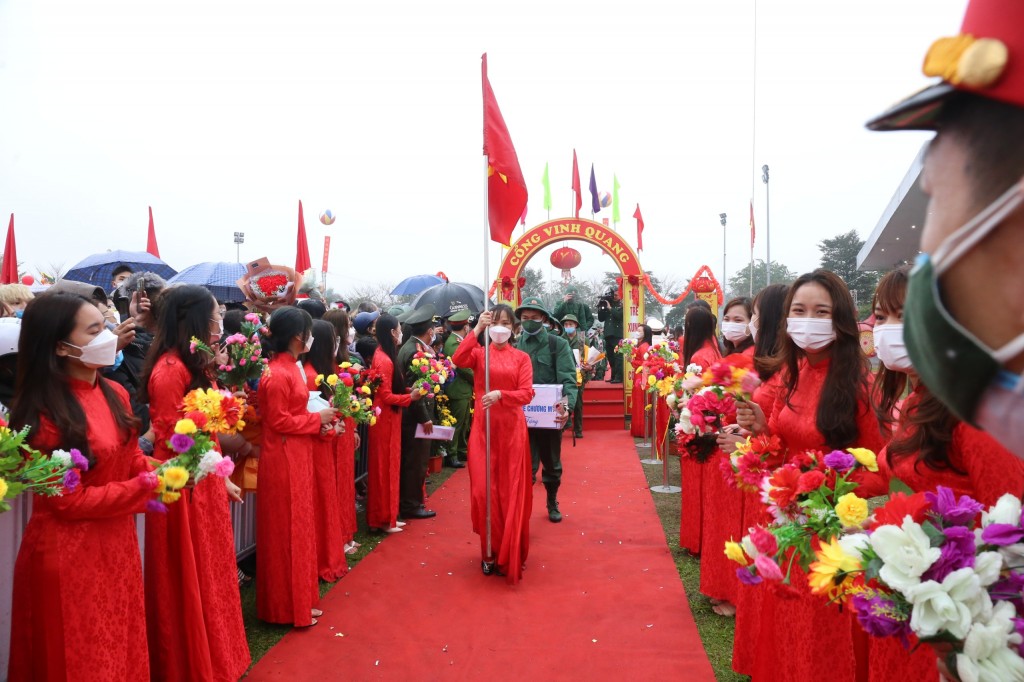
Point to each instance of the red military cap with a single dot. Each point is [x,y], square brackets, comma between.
[986,58]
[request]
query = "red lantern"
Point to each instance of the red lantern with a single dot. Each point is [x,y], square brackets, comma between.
[566,258]
[28,280]
[702,285]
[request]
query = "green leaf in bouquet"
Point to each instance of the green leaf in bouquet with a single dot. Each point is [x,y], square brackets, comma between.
[872,568]
[936,536]
[898,486]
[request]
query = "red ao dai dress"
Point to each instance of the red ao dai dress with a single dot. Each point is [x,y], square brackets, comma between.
[692,472]
[385,449]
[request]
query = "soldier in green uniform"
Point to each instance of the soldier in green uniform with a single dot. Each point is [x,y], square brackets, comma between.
[577,342]
[609,311]
[415,451]
[459,391]
[552,364]
[570,305]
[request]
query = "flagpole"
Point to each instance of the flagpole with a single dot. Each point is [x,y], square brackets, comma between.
[487,359]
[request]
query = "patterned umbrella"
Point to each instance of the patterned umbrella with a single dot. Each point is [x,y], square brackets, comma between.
[416,284]
[98,269]
[451,297]
[219,278]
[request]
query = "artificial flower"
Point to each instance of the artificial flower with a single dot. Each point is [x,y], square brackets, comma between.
[764,541]
[767,568]
[225,467]
[907,553]
[318,380]
[3,488]
[332,380]
[947,606]
[734,552]
[852,510]
[988,567]
[952,510]
[208,462]
[748,578]
[900,506]
[809,480]
[169,497]
[185,426]
[840,461]
[78,460]
[880,615]
[61,457]
[156,506]
[72,479]
[865,457]
[957,552]
[1002,534]
[982,653]
[181,443]
[175,477]
[833,570]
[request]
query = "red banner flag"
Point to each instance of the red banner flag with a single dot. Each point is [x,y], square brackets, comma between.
[506,189]
[751,224]
[639,228]
[302,262]
[10,269]
[327,252]
[151,247]
[576,188]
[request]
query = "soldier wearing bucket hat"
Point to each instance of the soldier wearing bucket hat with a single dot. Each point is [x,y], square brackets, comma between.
[971,356]
[572,305]
[459,391]
[415,451]
[552,364]
[577,343]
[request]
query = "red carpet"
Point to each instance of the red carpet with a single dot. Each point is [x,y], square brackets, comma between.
[600,598]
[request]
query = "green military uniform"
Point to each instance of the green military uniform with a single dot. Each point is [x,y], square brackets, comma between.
[552,364]
[577,342]
[460,390]
[578,309]
[415,451]
[612,318]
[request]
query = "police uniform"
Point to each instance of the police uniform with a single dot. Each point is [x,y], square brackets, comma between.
[553,363]
[577,342]
[459,392]
[415,451]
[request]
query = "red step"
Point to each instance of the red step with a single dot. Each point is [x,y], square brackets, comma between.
[603,407]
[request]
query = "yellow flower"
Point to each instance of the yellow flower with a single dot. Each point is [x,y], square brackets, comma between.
[175,477]
[651,380]
[185,426]
[364,389]
[833,571]
[852,510]
[373,421]
[865,457]
[437,389]
[3,488]
[734,552]
[346,365]
[332,380]
[170,497]
[161,484]
[319,379]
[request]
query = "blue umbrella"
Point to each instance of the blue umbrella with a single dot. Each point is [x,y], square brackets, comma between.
[98,269]
[219,278]
[416,284]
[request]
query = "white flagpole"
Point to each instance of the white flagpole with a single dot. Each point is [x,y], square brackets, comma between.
[487,358]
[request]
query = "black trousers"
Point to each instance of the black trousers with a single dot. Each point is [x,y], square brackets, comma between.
[614,359]
[546,448]
[413,470]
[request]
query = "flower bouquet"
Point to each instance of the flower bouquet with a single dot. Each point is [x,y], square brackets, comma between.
[244,351]
[349,400]
[207,413]
[444,415]
[661,366]
[24,469]
[626,348]
[269,287]
[751,461]
[812,502]
[430,374]
[944,569]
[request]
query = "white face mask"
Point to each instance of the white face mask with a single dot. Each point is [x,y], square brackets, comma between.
[100,352]
[890,347]
[337,346]
[351,337]
[398,342]
[810,333]
[498,333]
[754,322]
[309,343]
[734,331]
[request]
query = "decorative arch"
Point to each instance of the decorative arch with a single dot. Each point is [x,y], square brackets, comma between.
[508,286]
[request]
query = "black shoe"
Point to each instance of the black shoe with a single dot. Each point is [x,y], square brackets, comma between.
[454,463]
[578,434]
[487,567]
[421,513]
[554,516]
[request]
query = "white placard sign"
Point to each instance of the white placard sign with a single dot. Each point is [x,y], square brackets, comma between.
[540,412]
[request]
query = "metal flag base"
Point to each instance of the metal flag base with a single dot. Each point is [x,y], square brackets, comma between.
[650,461]
[666,489]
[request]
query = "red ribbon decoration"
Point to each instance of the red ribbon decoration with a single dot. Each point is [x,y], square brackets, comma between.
[704,271]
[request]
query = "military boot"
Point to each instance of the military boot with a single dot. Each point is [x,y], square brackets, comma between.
[554,515]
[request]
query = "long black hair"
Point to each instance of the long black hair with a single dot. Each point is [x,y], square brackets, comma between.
[698,329]
[769,303]
[385,344]
[648,335]
[285,324]
[186,312]
[43,385]
[746,343]
[321,355]
[339,318]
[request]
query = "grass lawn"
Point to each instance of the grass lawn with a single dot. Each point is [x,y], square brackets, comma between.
[715,631]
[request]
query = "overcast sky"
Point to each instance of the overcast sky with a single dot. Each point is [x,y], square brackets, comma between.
[222,115]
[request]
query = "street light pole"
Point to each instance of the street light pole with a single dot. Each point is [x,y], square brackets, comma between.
[725,277]
[239,240]
[767,223]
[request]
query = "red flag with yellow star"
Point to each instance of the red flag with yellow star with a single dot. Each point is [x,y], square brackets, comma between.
[506,189]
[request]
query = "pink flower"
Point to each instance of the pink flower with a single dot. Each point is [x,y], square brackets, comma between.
[255,358]
[721,374]
[252,317]
[767,568]
[764,541]
[241,363]
[224,467]
[149,479]
[750,382]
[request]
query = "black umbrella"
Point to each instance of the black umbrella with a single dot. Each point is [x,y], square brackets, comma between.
[451,297]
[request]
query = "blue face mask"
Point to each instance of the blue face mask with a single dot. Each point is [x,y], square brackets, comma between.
[569,329]
[18,313]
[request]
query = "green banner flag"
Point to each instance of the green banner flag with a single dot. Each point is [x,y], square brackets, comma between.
[547,189]
[615,199]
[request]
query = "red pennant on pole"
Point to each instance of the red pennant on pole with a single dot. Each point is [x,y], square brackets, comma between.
[302,262]
[151,246]
[506,189]
[639,228]
[10,269]
[576,187]
[751,223]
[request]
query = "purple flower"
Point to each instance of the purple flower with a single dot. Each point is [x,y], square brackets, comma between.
[156,506]
[957,553]
[1002,534]
[1010,588]
[181,443]
[879,616]
[840,461]
[78,460]
[747,578]
[958,512]
[72,479]
[1018,625]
